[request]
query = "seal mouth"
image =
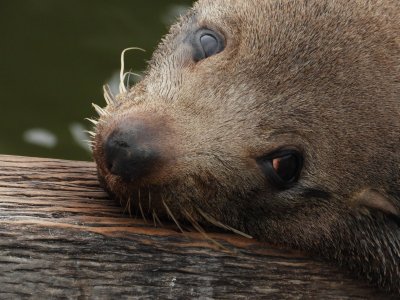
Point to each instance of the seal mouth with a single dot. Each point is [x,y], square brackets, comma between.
[135,198]
[147,203]
[156,203]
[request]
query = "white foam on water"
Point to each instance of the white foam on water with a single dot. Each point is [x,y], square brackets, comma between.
[40,137]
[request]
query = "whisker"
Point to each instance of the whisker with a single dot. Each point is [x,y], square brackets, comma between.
[99,110]
[94,122]
[154,220]
[90,142]
[200,229]
[141,212]
[140,207]
[221,225]
[91,133]
[172,216]
[108,95]
[157,219]
[122,87]
[128,80]
[129,77]
[128,207]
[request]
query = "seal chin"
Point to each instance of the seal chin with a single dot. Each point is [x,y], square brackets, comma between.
[147,201]
[169,202]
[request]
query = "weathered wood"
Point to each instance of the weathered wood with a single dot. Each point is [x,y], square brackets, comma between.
[61,237]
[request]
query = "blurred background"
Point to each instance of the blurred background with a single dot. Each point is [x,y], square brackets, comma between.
[55,57]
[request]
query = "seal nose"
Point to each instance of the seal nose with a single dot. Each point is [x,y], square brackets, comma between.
[129,152]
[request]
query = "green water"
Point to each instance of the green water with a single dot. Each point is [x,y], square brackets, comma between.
[54,58]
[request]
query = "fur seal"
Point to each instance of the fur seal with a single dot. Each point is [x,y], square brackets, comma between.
[276,118]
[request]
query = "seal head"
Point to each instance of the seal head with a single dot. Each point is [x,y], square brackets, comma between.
[280,119]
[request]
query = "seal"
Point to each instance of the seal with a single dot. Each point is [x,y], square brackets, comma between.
[276,118]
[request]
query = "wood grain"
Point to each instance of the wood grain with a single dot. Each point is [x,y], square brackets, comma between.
[62,237]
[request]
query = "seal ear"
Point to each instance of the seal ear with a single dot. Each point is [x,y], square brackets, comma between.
[375,200]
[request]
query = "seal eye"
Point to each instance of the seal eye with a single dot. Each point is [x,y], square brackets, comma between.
[282,168]
[207,43]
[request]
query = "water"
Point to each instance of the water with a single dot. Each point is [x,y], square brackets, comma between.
[54,58]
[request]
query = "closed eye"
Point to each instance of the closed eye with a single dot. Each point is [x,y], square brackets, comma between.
[207,43]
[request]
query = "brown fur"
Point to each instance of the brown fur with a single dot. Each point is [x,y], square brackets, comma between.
[319,75]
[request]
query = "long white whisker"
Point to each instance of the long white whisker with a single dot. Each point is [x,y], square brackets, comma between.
[157,219]
[200,229]
[140,207]
[221,225]
[122,87]
[94,122]
[91,133]
[154,219]
[108,96]
[128,80]
[127,206]
[90,143]
[99,110]
[172,216]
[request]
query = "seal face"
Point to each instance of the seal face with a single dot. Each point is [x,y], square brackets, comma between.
[280,119]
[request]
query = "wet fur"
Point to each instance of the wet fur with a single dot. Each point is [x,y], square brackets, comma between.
[319,75]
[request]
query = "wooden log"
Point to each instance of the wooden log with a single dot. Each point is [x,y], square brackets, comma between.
[61,237]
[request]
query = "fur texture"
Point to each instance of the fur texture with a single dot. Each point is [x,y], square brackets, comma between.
[322,76]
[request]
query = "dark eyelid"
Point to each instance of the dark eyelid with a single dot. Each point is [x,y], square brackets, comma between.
[198,51]
[209,43]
